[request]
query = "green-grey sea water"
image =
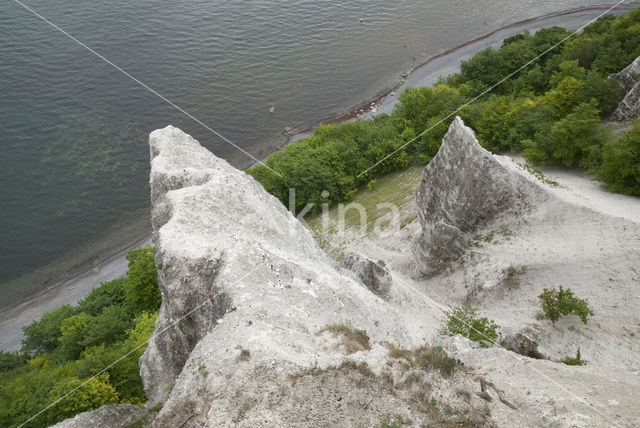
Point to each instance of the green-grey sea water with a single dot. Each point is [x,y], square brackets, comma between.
[73,155]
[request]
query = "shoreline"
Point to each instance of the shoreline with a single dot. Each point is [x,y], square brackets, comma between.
[113,265]
[364,109]
[69,291]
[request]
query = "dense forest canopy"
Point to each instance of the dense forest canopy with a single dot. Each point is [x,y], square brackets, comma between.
[72,343]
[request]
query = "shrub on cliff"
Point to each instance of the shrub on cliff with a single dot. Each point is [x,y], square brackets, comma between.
[558,303]
[466,321]
[577,361]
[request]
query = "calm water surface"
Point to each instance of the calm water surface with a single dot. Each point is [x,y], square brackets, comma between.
[74,160]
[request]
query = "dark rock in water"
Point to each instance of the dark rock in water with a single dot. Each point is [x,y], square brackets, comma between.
[463,187]
[629,79]
[523,345]
[374,275]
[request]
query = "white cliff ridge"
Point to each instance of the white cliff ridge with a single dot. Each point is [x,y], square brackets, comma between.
[463,188]
[237,272]
[259,327]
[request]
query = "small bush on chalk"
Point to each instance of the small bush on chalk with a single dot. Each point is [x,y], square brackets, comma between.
[557,303]
[577,361]
[465,320]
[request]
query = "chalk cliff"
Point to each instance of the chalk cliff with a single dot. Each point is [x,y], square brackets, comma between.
[629,79]
[462,188]
[241,279]
[259,327]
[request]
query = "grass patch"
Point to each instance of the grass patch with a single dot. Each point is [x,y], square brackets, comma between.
[345,367]
[577,361]
[354,340]
[397,188]
[425,358]
[537,173]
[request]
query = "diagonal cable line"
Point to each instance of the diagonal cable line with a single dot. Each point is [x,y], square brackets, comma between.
[245,152]
[547,377]
[491,88]
[136,348]
[493,342]
[153,91]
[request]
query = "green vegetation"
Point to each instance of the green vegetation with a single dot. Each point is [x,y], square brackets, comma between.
[577,361]
[425,358]
[387,422]
[621,162]
[68,346]
[354,340]
[551,110]
[465,320]
[537,172]
[557,303]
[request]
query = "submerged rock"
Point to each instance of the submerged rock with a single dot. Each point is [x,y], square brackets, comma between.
[374,275]
[462,188]
[629,79]
[243,285]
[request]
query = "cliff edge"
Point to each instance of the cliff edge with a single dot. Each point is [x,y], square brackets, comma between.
[243,285]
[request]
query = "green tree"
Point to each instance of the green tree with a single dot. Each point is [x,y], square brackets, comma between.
[529,118]
[107,294]
[11,361]
[567,94]
[421,109]
[567,69]
[109,326]
[533,82]
[546,38]
[582,50]
[494,123]
[70,342]
[43,335]
[620,170]
[574,140]
[141,289]
[606,92]
[125,375]
[89,395]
